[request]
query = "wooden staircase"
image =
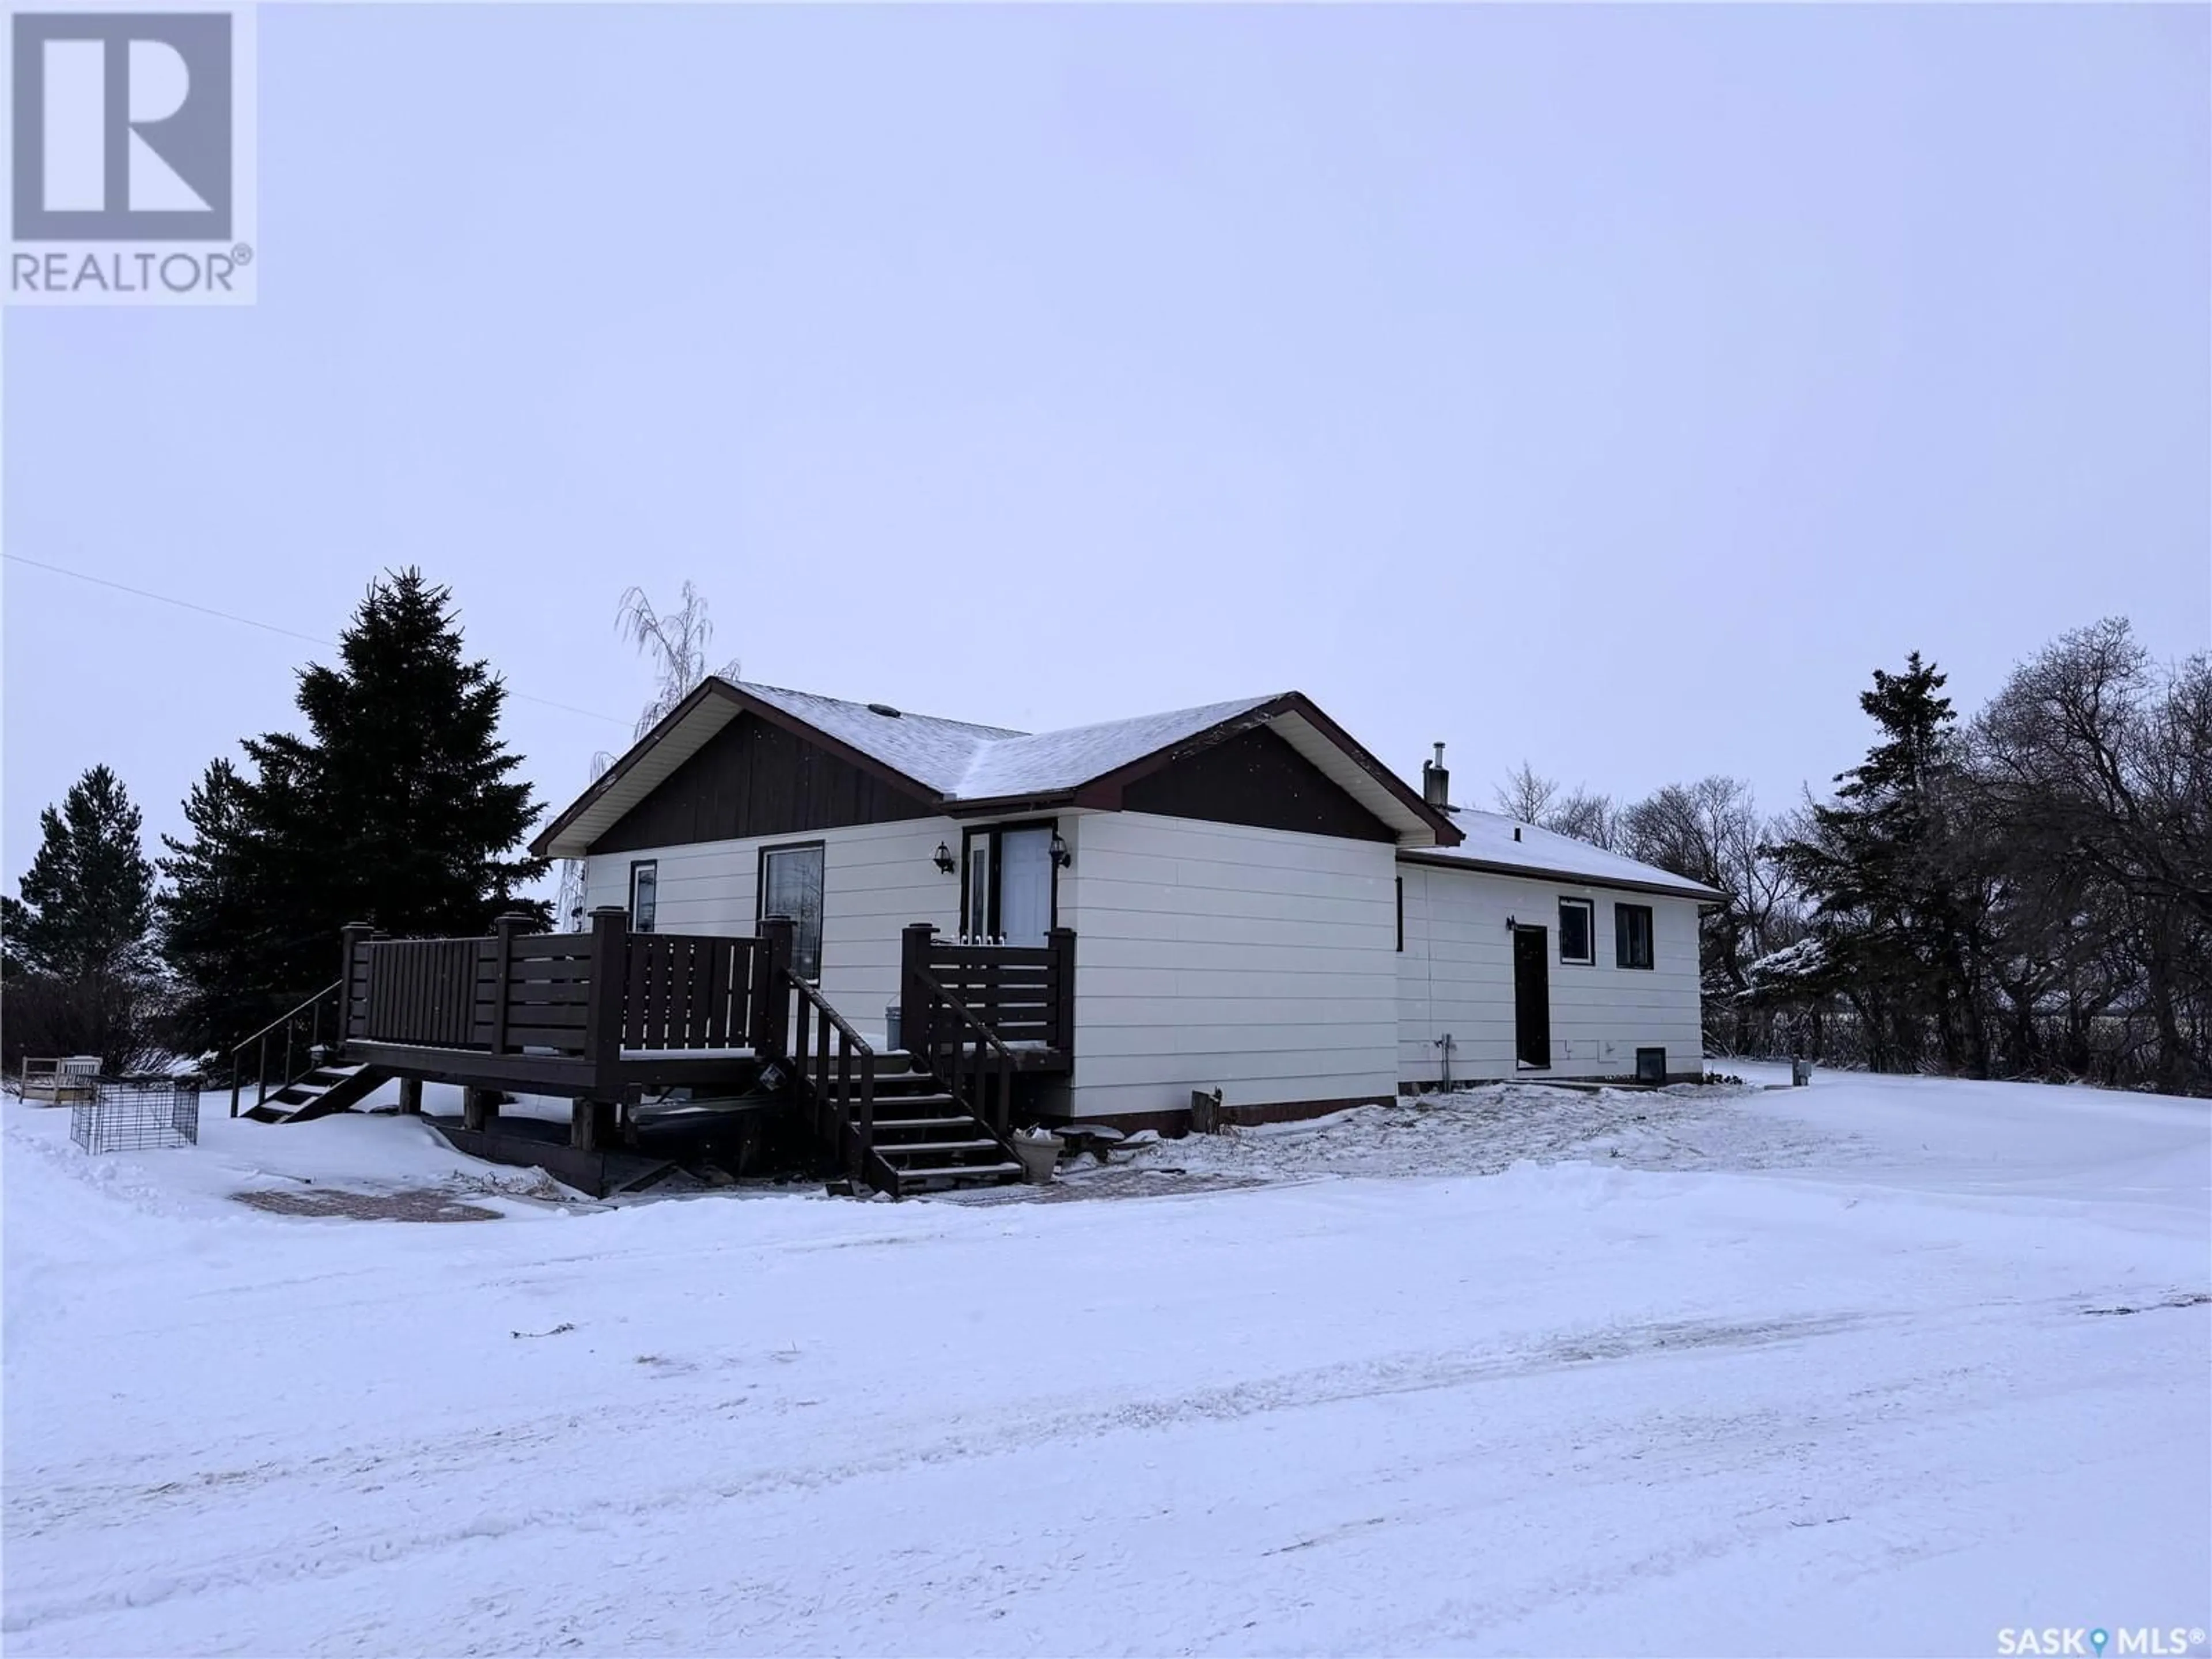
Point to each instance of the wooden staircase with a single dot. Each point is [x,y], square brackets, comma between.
[902,1123]
[326,1089]
[925,1141]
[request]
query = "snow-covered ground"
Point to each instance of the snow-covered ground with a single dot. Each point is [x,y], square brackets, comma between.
[1880,1366]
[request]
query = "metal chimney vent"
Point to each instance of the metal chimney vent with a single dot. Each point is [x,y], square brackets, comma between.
[1436,783]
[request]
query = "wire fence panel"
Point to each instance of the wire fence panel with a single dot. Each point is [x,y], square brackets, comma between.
[136,1115]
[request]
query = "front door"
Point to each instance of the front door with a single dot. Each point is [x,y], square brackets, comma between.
[1025,884]
[1532,996]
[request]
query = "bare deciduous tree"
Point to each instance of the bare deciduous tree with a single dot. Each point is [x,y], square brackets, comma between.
[1586,816]
[676,643]
[1526,794]
[2096,777]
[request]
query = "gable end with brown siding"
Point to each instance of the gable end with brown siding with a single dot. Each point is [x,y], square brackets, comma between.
[1254,779]
[753,779]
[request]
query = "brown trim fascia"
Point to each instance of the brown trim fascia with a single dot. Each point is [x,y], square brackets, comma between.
[1448,833]
[999,804]
[1705,896]
[631,757]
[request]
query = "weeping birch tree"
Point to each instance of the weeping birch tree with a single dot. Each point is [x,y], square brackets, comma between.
[676,643]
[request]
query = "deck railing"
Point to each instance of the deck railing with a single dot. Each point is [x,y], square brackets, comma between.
[1024,995]
[838,1068]
[297,1035]
[960,1048]
[590,997]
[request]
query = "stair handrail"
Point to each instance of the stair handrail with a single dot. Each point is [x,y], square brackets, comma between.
[856,1135]
[978,1031]
[261,1037]
[966,1015]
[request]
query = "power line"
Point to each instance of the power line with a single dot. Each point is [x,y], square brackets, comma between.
[268,627]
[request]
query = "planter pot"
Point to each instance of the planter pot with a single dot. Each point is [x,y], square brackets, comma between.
[1040,1156]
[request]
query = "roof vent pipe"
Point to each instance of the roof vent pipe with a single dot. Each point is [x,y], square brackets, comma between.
[1436,783]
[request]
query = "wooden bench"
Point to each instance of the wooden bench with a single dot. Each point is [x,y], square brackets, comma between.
[60,1082]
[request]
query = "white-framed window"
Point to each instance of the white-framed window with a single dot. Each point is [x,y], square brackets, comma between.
[1577,932]
[644,894]
[976,923]
[791,885]
[1632,935]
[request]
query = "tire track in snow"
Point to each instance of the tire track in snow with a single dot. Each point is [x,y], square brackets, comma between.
[431,1462]
[408,1470]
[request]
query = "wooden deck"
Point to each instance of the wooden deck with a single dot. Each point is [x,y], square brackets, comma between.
[607,1017]
[599,1015]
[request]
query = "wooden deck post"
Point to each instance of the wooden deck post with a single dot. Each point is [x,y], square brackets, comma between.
[769,1018]
[591,1125]
[1060,941]
[914,1001]
[502,933]
[411,1097]
[477,1110]
[353,935]
[603,1013]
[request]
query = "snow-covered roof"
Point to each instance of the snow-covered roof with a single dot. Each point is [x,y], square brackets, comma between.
[1490,840]
[965,764]
[933,752]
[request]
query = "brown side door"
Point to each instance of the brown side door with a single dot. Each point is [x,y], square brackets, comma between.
[1532,996]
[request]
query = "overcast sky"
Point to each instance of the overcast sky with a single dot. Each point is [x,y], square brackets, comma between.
[1615,388]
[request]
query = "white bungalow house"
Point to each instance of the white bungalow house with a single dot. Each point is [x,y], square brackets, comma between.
[1252,903]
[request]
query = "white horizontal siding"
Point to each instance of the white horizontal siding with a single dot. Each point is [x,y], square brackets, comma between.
[1259,961]
[705,888]
[876,878]
[1456,976]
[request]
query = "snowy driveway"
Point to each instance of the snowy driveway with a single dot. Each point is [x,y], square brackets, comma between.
[1874,1401]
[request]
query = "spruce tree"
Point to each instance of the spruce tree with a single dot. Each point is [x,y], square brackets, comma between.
[1897,903]
[88,898]
[79,966]
[217,919]
[397,806]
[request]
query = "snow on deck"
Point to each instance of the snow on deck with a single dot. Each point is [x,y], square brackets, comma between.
[1878,1366]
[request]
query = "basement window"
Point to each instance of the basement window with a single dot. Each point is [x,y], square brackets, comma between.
[1577,931]
[1632,935]
[644,894]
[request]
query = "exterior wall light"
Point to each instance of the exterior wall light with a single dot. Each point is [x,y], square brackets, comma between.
[945,863]
[1061,857]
